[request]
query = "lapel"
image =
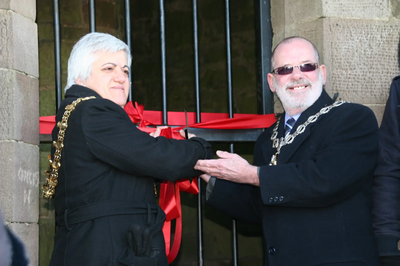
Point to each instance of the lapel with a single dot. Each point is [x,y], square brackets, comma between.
[288,150]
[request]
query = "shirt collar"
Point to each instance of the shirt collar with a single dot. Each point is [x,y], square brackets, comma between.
[295,117]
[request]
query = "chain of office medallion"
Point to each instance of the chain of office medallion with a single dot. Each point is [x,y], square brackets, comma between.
[55,164]
[279,143]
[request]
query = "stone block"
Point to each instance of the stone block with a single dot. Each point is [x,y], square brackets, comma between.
[395,8]
[19,107]
[277,16]
[5,44]
[302,11]
[378,110]
[19,46]
[26,8]
[360,9]
[29,235]
[361,58]
[19,190]
[289,12]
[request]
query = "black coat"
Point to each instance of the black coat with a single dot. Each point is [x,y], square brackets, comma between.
[106,180]
[315,204]
[386,186]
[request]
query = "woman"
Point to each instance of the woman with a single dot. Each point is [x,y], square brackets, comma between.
[106,210]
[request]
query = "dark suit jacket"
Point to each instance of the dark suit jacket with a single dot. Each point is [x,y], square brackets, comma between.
[314,205]
[106,180]
[386,186]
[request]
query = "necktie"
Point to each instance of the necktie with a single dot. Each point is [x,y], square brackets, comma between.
[289,125]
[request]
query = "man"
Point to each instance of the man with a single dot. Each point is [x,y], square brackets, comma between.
[386,186]
[310,190]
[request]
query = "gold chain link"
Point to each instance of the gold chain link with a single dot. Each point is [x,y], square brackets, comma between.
[288,139]
[55,164]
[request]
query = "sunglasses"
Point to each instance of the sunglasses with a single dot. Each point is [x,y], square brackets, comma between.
[286,70]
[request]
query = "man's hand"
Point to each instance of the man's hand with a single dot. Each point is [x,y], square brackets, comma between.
[230,167]
[205,177]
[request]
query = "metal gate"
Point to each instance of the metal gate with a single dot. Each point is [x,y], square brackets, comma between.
[264,95]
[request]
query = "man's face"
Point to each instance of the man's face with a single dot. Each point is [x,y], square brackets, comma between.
[297,90]
[109,77]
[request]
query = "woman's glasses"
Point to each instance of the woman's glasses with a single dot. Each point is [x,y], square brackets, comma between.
[286,70]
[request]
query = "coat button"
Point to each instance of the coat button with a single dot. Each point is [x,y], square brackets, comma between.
[281,198]
[271,199]
[276,199]
[271,251]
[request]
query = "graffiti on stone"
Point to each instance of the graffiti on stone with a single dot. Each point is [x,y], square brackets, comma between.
[28,177]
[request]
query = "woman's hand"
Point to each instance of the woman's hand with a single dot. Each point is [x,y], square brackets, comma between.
[190,135]
[157,132]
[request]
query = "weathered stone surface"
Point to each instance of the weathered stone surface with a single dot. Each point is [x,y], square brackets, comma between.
[288,12]
[378,110]
[5,47]
[302,11]
[360,9]
[28,233]
[395,8]
[19,107]
[362,58]
[17,51]
[25,45]
[23,7]
[19,190]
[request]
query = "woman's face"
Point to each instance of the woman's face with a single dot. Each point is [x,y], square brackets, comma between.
[110,77]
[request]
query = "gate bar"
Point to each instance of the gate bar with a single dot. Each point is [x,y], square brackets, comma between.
[163,67]
[264,37]
[198,120]
[230,103]
[57,53]
[92,16]
[128,41]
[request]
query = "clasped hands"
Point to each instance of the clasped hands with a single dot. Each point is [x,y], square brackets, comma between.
[229,166]
[156,133]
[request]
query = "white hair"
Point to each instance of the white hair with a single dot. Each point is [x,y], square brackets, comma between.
[83,54]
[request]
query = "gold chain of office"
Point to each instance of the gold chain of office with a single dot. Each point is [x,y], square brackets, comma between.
[288,139]
[55,164]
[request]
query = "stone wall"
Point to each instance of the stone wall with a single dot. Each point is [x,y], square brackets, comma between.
[357,41]
[19,113]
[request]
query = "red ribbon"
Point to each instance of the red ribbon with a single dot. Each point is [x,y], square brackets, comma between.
[170,200]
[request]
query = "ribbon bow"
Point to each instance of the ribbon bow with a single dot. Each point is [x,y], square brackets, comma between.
[136,114]
[170,198]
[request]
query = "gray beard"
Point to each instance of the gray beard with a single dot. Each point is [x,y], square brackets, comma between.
[303,101]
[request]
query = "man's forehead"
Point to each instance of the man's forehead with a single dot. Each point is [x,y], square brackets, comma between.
[296,49]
